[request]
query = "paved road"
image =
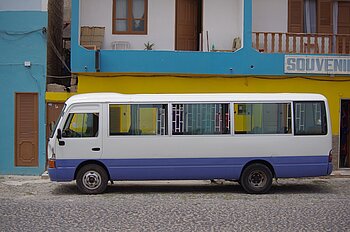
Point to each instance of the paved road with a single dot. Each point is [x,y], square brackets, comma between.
[34,204]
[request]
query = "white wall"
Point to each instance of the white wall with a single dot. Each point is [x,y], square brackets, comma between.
[23,5]
[222,19]
[161,23]
[270,15]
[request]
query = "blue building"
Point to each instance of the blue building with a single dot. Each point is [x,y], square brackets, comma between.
[23,46]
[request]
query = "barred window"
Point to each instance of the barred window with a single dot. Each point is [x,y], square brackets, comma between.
[200,119]
[310,118]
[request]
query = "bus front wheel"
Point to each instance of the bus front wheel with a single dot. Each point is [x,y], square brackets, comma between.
[256,178]
[92,179]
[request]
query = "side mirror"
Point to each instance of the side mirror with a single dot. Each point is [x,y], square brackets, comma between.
[59,134]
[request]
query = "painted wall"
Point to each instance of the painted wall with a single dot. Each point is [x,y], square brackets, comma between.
[21,39]
[23,5]
[222,19]
[270,15]
[160,32]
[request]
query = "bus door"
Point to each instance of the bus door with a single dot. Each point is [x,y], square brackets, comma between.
[81,135]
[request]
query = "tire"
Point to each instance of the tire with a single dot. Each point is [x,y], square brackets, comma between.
[256,179]
[92,179]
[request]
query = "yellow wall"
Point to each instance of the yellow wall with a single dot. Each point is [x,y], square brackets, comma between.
[57,97]
[334,88]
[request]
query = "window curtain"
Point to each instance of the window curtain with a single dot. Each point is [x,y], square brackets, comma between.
[310,16]
[138,12]
[121,12]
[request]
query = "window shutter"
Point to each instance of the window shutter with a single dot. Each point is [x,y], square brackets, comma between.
[296,16]
[325,16]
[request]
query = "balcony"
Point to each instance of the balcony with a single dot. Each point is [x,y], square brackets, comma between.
[301,43]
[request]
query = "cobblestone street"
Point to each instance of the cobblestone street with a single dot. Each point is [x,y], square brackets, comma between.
[35,204]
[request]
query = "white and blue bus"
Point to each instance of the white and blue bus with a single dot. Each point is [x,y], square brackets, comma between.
[250,138]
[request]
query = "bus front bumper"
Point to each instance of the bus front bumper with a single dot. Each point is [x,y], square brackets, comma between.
[59,173]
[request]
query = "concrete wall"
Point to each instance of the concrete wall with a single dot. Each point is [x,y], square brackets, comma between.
[221,18]
[22,39]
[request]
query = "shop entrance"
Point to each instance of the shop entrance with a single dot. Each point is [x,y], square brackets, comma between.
[344,161]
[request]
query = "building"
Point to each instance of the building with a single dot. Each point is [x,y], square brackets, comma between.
[23,39]
[202,46]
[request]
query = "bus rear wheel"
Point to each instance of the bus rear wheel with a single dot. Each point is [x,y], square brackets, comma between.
[92,179]
[256,178]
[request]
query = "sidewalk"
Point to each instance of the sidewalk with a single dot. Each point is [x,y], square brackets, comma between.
[341,173]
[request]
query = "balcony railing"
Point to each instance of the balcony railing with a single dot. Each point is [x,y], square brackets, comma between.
[277,42]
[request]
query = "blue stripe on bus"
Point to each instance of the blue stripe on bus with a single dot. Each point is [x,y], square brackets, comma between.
[195,168]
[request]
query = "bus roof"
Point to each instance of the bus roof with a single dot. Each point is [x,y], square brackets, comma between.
[206,97]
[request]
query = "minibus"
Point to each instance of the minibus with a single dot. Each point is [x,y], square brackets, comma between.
[249,138]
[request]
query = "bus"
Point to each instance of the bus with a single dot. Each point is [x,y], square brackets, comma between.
[249,138]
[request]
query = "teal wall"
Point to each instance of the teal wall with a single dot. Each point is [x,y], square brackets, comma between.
[21,39]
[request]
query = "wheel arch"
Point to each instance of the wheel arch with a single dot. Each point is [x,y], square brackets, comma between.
[259,161]
[82,164]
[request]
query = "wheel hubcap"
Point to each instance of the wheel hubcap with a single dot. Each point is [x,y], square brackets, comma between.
[92,180]
[257,179]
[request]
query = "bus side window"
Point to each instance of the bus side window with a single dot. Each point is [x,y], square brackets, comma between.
[310,118]
[138,119]
[81,125]
[200,119]
[262,118]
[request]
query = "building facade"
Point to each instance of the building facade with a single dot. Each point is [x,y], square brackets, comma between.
[22,86]
[207,46]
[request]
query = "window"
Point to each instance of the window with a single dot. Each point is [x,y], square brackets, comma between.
[310,118]
[310,16]
[262,118]
[138,119]
[81,125]
[200,119]
[129,16]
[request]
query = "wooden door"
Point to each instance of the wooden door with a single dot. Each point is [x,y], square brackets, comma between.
[53,110]
[187,25]
[343,28]
[26,129]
